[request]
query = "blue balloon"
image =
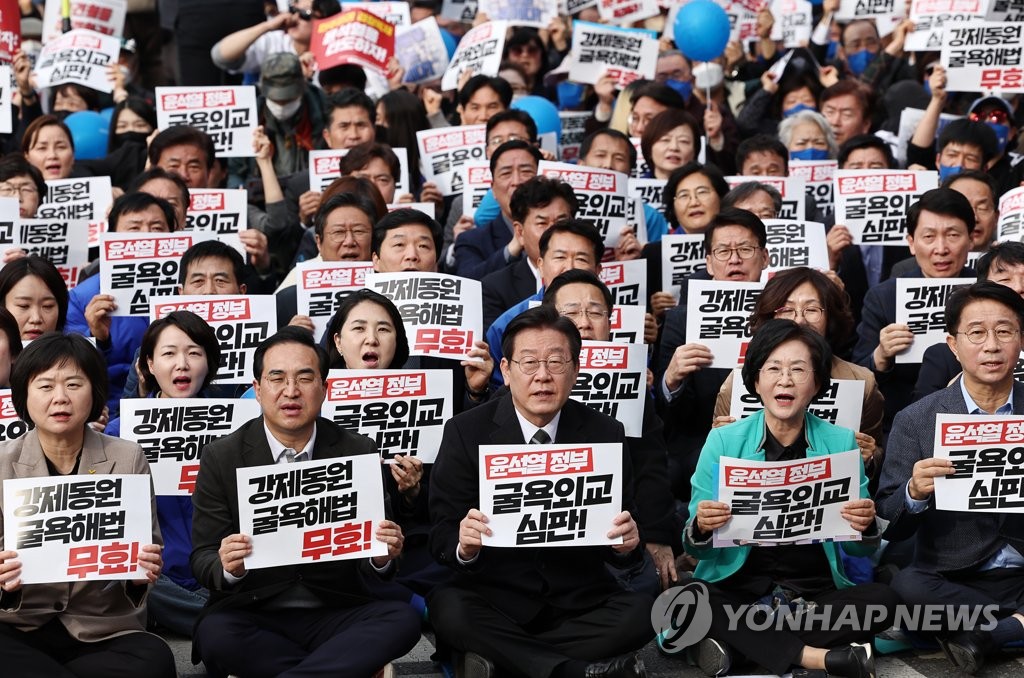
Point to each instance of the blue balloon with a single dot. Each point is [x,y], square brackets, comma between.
[450,43]
[89,129]
[701,30]
[543,112]
[107,113]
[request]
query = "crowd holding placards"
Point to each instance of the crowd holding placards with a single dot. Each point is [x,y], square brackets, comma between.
[553,307]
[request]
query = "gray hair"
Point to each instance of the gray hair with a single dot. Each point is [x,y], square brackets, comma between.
[747,190]
[787,125]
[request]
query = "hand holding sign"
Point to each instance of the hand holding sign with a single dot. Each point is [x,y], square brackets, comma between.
[712,515]
[860,513]
[10,571]
[686,360]
[892,339]
[922,481]
[471,531]
[625,527]
[388,532]
[233,550]
[151,560]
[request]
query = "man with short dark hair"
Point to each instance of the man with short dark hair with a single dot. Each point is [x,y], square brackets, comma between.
[847,106]
[186,151]
[482,97]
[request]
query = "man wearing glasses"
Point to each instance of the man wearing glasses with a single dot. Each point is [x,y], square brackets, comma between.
[19,179]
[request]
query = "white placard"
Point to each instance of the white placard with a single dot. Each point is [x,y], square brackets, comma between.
[80,57]
[626,325]
[421,51]
[534,13]
[983,56]
[1011,215]
[930,15]
[476,182]
[479,51]
[988,462]
[217,210]
[613,381]
[817,177]
[794,243]
[792,190]
[573,133]
[626,54]
[6,91]
[793,24]
[682,255]
[87,198]
[717,316]
[321,286]
[626,12]
[873,204]
[65,244]
[100,16]
[11,426]
[462,11]
[627,281]
[445,149]
[866,9]
[324,169]
[227,114]
[921,304]
[602,196]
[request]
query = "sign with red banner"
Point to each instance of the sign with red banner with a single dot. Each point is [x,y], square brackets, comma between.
[10,30]
[356,37]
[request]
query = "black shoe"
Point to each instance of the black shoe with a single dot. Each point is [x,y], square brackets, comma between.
[626,666]
[967,650]
[713,657]
[472,665]
[855,661]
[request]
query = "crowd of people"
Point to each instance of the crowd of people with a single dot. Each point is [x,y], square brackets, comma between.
[70,360]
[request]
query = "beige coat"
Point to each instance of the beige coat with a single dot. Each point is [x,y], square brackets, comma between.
[90,611]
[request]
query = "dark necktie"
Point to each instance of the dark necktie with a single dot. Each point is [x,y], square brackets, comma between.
[540,437]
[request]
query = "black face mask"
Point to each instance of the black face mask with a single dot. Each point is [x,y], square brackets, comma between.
[129,138]
[62,114]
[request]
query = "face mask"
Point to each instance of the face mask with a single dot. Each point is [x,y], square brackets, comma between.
[793,110]
[945,172]
[858,61]
[1002,134]
[283,111]
[685,89]
[62,114]
[832,51]
[129,138]
[809,154]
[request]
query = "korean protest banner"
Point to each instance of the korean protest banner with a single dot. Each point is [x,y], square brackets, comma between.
[11,426]
[550,495]
[80,57]
[173,432]
[87,198]
[443,314]
[100,16]
[613,381]
[873,204]
[841,405]
[227,114]
[10,34]
[602,195]
[78,528]
[626,54]
[573,133]
[984,56]
[929,16]
[10,214]
[324,169]
[479,51]
[788,502]
[6,92]
[864,9]
[921,304]
[648,192]
[321,286]
[626,324]
[1011,215]
[312,511]
[403,411]
[817,177]
[641,169]
[792,190]
[476,182]
[794,22]
[397,14]
[717,314]
[217,210]
[353,37]
[135,267]
[988,462]
[627,281]
[626,12]
[445,149]
[794,243]
[421,51]
[462,11]
[682,255]
[1005,10]
[241,323]
[65,244]
[534,13]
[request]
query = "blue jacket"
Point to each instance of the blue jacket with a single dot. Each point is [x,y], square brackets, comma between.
[744,439]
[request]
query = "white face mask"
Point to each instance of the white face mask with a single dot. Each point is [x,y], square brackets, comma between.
[284,111]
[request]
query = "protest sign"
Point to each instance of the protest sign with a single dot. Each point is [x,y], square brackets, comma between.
[793,22]
[817,177]
[626,324]
[135,267]
[573,7]
[1005,10]
[476,182]
[311,511]
[602,196]
[641,169]
[627,281]
[792,190]
[173,432]
[626,54]
[717,315]
[983,56]
[794,243]
[353,37]
[100,16]
[6,92]
[240,322]
[65,244]
[613,381]
[81,57]
[217,210]
[11,426]
[921,305]
[397,14]
[78,528]
[988,462]
[910,119]
[573,133]
[461,11]
[227,114]
[321,286]
[626,12]
[403,411]
[324,169]
[533,13]
[479,52]
[421,51]
[443,314]
[444,150]
[864,9]
[788,502]
[550,495]
[648,191]
[85,198]
[682,255]
[841,405]
[10,34]
[873,204]
[1011,215]
[929,16]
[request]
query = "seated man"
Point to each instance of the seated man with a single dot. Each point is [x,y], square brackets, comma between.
[20,179]
[961,559]
[314,619]
[552,611]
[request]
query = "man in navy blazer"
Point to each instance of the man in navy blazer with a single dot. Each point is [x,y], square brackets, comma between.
[962,559]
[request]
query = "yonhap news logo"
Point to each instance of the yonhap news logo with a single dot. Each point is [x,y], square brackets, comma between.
[681,616]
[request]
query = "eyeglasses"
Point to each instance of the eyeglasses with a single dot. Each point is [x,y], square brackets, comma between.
[979,335]
[811,314]
[304,14]
[342,234]
[701,194]
[997,116]
[725,253]
[799,375]
[498,140]
[10,190]
[575,313]
[531,365]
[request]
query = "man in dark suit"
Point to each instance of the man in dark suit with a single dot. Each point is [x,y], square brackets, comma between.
[551,611]
[314,619]
[970,559]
